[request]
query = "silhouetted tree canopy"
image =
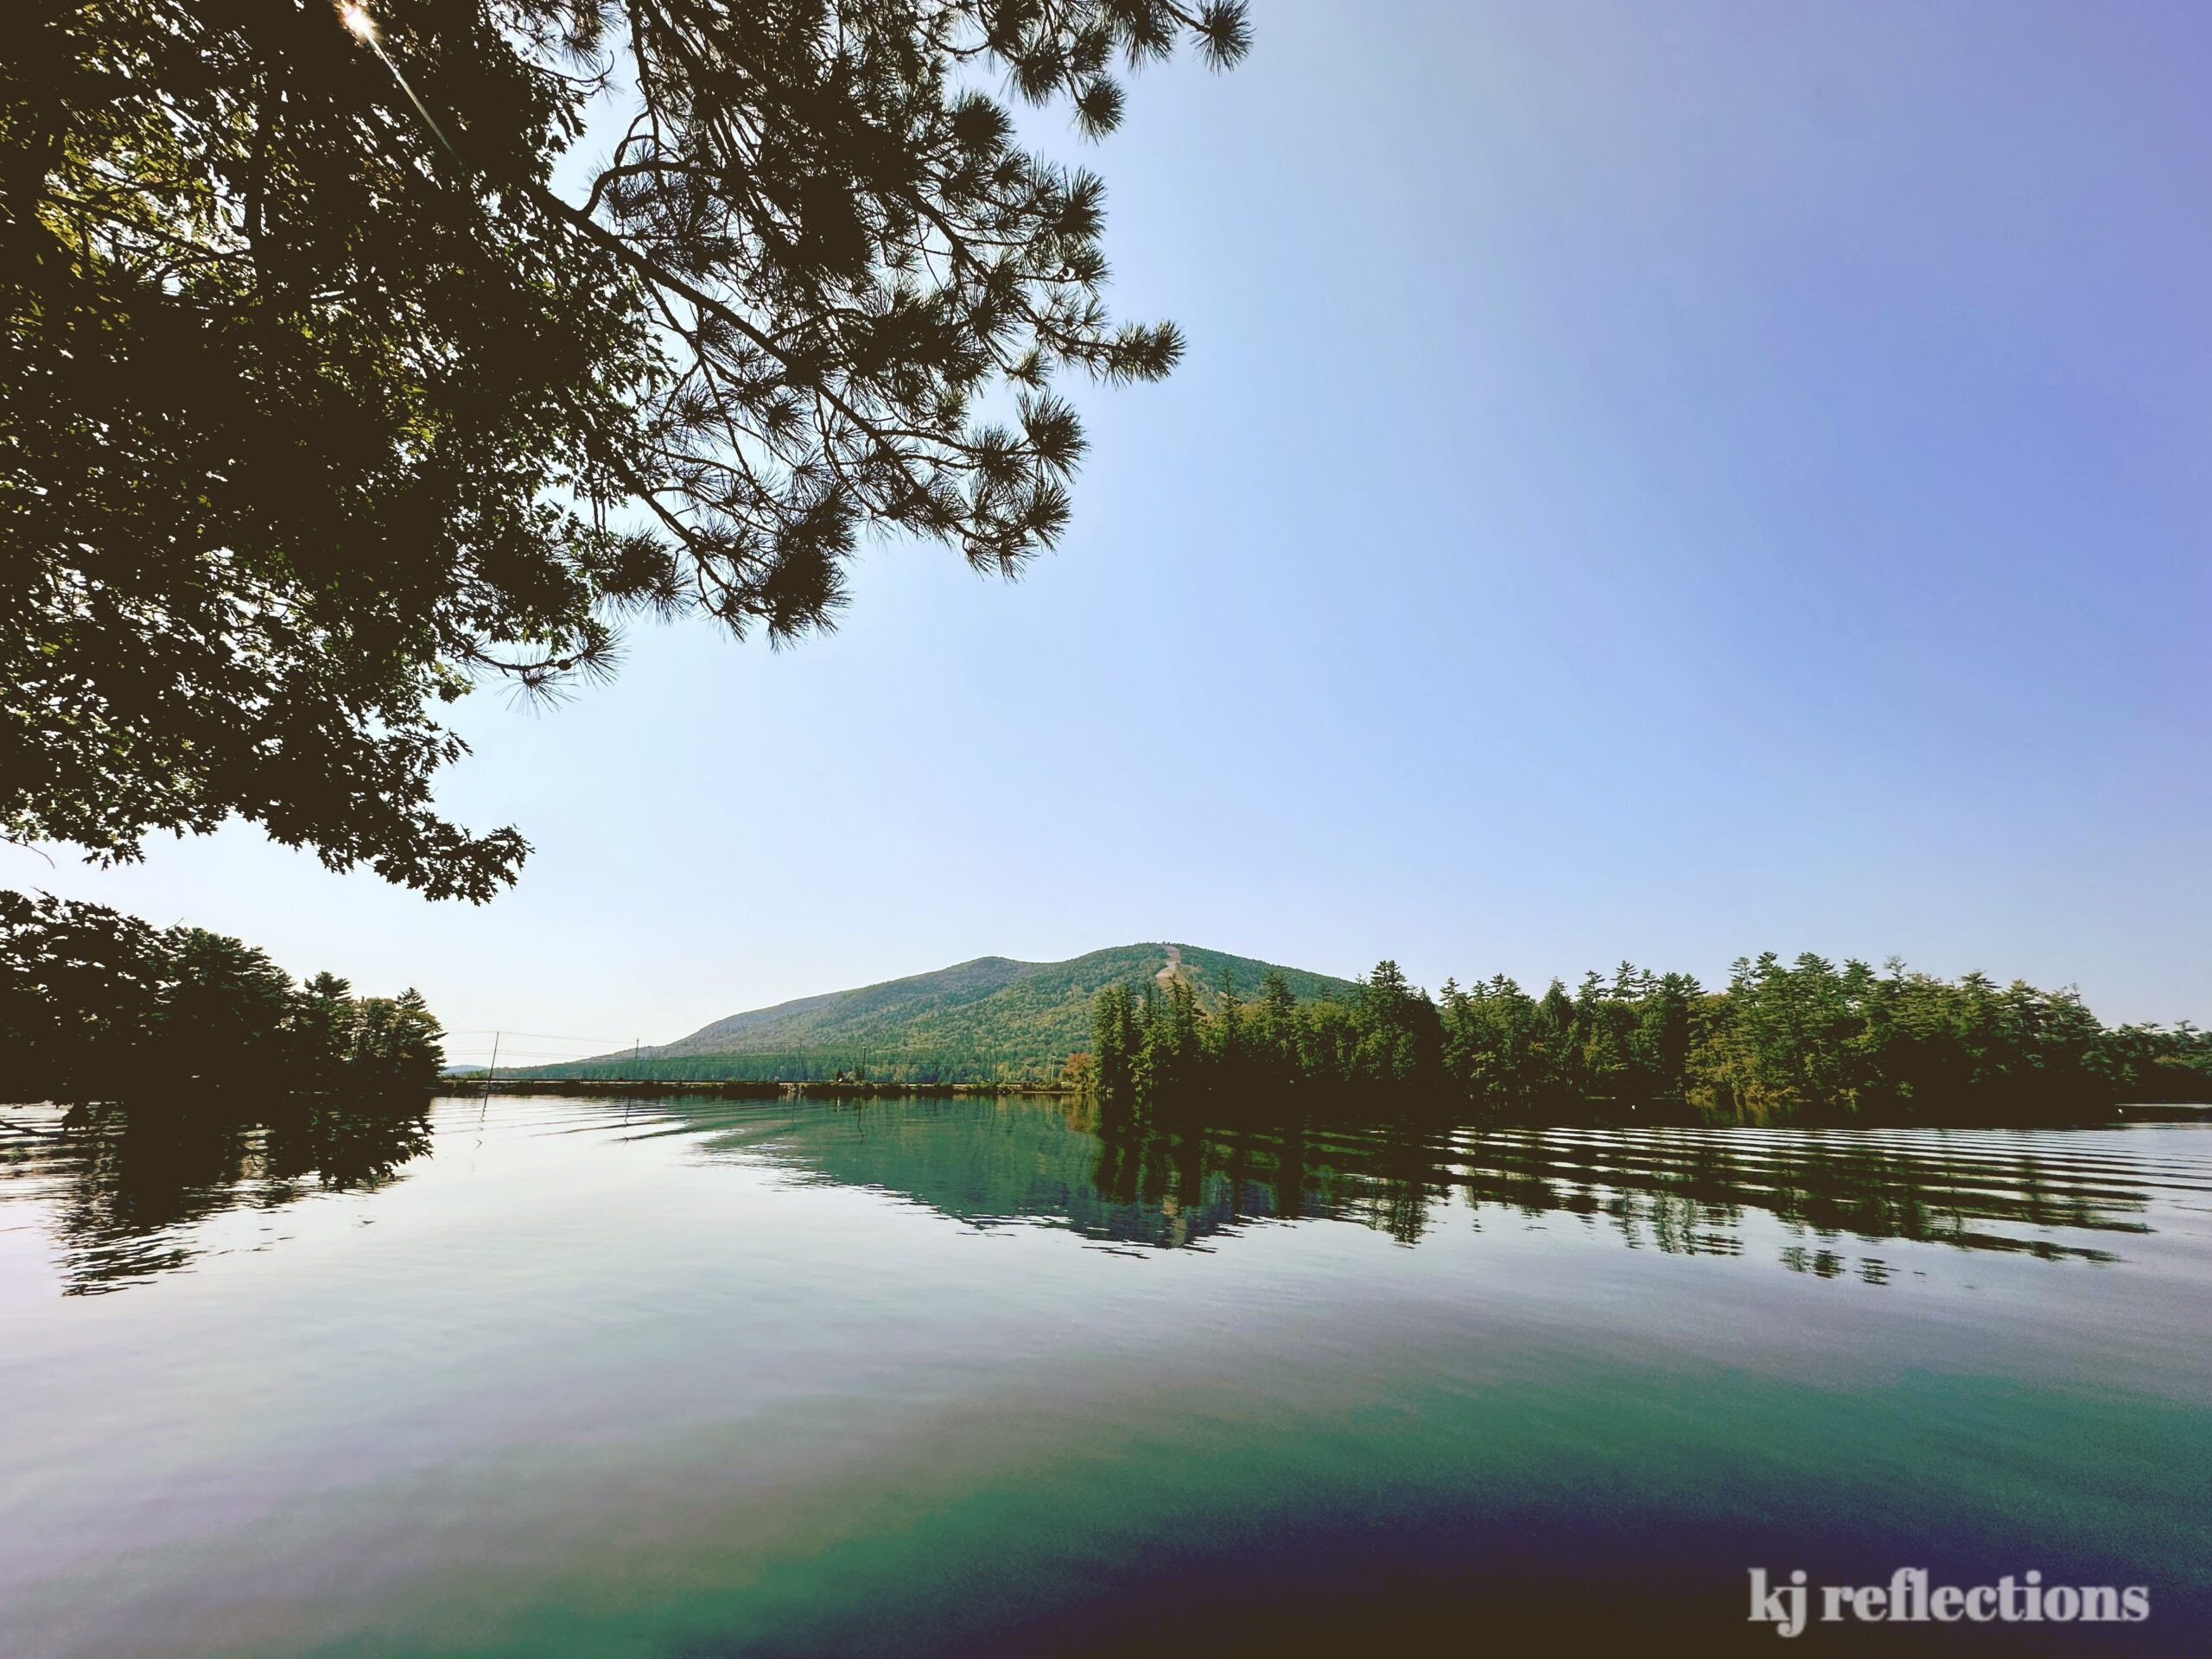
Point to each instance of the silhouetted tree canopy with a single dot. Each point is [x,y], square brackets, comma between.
[97,1006]
[325,398]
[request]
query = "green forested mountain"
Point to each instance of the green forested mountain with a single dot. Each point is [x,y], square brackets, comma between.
[992,1020]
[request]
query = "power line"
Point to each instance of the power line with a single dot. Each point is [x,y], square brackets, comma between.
[542,1036]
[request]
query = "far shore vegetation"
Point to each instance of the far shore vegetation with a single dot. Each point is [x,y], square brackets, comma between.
[1805,1042]
[97,1007]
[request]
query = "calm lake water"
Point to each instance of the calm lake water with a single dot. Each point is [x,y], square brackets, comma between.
[552,1377]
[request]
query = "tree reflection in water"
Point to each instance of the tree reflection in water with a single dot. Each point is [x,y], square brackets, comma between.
[130,1191]
[135,1194]
[1168,1180]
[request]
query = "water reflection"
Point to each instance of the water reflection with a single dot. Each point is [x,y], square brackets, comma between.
[1149,1181]
[129,1194]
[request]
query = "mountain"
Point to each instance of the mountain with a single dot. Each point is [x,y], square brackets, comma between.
[992,1020]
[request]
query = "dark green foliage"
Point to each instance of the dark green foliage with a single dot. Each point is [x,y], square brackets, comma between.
[95,1005]
[320,402]
[396,1048]
[1802,1043]
[217,1005]
[1115,1040]
[1166,1042]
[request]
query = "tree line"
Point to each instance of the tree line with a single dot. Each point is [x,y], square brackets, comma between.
[1803,1042]
[96,1005]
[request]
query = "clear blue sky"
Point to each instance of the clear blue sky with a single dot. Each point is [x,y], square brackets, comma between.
[1663,482]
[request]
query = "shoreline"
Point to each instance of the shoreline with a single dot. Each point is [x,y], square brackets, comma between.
[740,1089]
[2121,1115]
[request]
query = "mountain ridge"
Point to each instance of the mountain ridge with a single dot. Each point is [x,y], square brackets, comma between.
[989,1018]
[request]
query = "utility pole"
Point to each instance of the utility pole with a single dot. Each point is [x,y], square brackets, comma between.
[495,1057]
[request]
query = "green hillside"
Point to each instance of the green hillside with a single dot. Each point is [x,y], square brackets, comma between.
[990,1020]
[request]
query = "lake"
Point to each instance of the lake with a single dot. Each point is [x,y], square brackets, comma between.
[562,1377]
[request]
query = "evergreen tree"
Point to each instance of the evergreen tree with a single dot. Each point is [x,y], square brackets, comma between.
[395,1046]
[1227,1051]
[320,402]
[1273,1042]
[1804,1042]
[1115,1039]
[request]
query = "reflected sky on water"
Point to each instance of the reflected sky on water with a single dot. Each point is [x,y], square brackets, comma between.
[703,1376]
